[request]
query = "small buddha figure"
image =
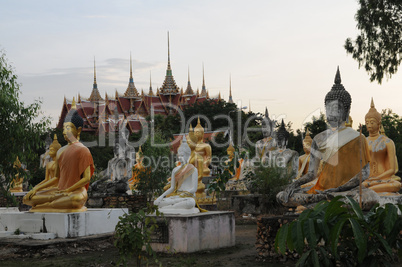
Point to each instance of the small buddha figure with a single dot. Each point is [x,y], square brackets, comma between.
[202,148]
[123,160]
[138,167]
[267,144]
[180,197]
[349,122]
[284,157]
[51,166]
[235,183]
[67,190]
[16,184]
[344,155]
[304,160]
[383,163]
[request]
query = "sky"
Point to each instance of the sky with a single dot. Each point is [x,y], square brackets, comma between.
[281,55]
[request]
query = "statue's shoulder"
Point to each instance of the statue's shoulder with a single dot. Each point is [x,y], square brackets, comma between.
[322,136]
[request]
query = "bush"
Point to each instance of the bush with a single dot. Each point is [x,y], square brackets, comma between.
[133,233]
[268,181]
[336,233]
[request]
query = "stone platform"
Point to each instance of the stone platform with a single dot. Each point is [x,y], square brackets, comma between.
[62,225]
[194,232]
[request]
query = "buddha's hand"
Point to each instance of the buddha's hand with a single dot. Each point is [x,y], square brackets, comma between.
[289,191]
[31,194]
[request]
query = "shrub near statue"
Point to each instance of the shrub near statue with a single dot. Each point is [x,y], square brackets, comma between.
[67,190]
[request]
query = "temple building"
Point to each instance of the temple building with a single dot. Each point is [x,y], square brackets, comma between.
[129,110]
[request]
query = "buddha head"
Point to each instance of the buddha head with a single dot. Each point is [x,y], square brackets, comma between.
[337,103]
[230,151]
[199,131]
[139,156]
[54,147]
[373,119]
[267,125]
[184,151]
[72,124]
[282,136]
[307,141]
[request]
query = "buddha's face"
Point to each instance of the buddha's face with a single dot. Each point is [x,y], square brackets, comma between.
[373,126]
[282,143]
[335,112]
[70,132]
[266,129]
[181,156]
[198,134]
[306,147]
[52,151]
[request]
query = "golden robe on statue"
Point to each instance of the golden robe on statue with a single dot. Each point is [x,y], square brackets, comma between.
[343,154]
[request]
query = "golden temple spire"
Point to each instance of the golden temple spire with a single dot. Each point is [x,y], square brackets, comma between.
[94,73]
[230,89]
[169,68]
[131,68]
[203,88]
[219,96]
[95,95]
[151,93]
[73,104]
[131,90]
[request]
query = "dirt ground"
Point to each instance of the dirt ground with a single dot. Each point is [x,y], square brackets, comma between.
[242,254]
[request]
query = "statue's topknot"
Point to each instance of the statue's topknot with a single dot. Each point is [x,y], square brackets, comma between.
[338,92]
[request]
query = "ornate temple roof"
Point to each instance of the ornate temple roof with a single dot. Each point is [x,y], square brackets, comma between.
[189,90]
[169,86]
[95,95]
[131,90]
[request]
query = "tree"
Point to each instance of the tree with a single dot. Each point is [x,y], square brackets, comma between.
[378,47]
[20,127]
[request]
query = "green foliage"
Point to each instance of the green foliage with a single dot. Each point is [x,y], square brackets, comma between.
[158,162]
[378,47]
[268,182]
[392,123]
[317,126]
[133,233]
[335,232]
[20,128]
[227,171]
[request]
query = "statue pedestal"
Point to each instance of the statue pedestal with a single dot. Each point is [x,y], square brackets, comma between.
[62,225]
[195,232]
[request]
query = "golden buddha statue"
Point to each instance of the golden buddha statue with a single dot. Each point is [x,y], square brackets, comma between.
[383,163]
[138,167]
[231,153]
[16,184]
[200,156]
[51,165]
[67,190]
[304,160]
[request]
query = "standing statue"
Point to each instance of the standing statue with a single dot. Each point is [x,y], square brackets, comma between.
[45,158]
[138,167]
[304,160]
[383,163]
[67,190]
[267,144]
[180,197]
[342,150]
[51,166]
[201,154]
[283,157]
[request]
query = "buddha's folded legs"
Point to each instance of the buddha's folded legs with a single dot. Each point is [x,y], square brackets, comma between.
[177,203]
[74,200]
[380,186]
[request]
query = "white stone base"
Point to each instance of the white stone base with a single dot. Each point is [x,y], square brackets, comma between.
[90,222]
[196,232]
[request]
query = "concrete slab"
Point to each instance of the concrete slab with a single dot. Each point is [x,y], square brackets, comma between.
[63,225]
[195,232]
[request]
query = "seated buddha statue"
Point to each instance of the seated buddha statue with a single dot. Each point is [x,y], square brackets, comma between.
[138,167]
[383,163]
[51,166]
[283,157]
[344,155]
[16,184]
[180,197]
[304,160]
[67,190]
[267,144]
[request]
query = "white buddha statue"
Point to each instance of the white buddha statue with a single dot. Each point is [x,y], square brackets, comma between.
[180,197]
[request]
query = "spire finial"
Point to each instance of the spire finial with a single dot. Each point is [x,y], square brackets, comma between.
[230,89]
[372,103]
[203,76]
[131,68]
[338,76]
[188,73]
[73,105]
[266,112]
[94,72]
[168,52]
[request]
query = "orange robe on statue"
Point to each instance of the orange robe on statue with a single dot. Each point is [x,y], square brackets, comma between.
[72,163]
